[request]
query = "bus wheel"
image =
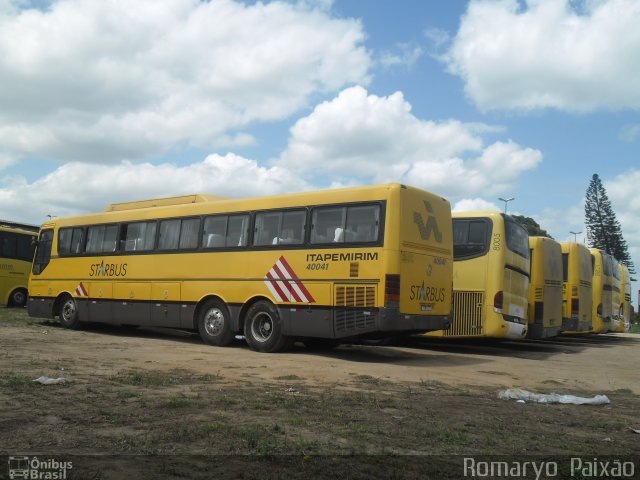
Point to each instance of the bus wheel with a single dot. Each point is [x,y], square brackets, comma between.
[263,328]
[69,313]
[18,298]
[214,324]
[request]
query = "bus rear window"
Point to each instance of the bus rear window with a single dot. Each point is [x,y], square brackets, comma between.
[517,237]
[350,224]
[470,237]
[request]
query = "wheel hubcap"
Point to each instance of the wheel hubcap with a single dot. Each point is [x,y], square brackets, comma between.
[68,311]
[262,327]
[214,322]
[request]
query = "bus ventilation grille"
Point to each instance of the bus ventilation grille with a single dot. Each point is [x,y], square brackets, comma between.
[353,299]
[468,316]
[355,296]
[574,291]
[539,294]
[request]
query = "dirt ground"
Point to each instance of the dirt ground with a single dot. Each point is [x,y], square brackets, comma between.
[162,404]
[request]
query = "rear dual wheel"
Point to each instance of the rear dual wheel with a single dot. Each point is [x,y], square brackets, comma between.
[263,328]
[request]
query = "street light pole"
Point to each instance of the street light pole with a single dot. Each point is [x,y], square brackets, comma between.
[506,201]
[575,235]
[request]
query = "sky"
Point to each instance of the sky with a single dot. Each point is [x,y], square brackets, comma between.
[110,101]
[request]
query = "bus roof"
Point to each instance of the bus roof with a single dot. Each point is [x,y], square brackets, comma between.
[20,226]
[161,202]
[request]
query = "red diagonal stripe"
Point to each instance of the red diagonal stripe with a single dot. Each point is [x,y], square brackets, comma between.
[293,275]
[283,295]
[284,278]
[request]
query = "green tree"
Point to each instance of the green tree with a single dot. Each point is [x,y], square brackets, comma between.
[603,229]
[531,226]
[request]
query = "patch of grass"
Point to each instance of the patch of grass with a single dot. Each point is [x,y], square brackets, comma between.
[19,381]
[145,378]
[634,328]
[182,402]
[289,377]
[131,444]
[368,379]
[126,394]
[623,391]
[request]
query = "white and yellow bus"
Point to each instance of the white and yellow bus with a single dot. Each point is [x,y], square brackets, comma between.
[317,267]
[601,310]
[545,288]
[490,276]
[626,299]
[16,254]
[577,287]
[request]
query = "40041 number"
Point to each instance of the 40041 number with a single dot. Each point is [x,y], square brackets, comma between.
[317,266]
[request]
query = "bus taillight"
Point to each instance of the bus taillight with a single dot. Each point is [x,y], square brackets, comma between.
[498,301]
[392,289]
[575,307]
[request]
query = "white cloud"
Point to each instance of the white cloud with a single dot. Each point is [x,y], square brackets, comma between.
[80,187]
[574,56]
[378,139]
[407,55]
[470,204]
[630,133]
[104,81]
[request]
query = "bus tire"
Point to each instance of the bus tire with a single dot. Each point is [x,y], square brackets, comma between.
[18,298]
[263,328]
[69,317]
[214,324]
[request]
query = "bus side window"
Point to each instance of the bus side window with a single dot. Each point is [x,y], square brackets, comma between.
[237,231]
[327,224]
[102,238]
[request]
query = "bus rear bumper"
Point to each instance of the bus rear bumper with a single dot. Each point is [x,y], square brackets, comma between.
[392,320]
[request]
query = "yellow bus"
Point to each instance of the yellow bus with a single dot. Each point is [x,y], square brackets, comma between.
[616,297]
[545,288]
[16,254]
[490,276]
[602,291]
[625,301]
[577,281]
[317,266]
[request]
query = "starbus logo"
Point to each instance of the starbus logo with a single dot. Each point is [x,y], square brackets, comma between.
[428,227]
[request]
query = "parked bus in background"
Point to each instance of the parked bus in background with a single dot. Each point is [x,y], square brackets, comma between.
[602,291]
[577,288]
[16,254]
[490,276]
[616,297]
[625,320]
[316,266]
[545,288]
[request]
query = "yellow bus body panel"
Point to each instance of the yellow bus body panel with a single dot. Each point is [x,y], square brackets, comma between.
[577,288]
[416,247]
[602,291]
[14,272]
[545,288]
[476,282]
